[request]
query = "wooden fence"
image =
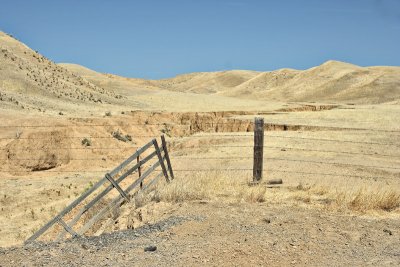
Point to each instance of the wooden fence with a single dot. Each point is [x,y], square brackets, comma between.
[114,177]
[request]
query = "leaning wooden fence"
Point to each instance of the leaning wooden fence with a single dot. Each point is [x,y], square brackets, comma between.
[114,177]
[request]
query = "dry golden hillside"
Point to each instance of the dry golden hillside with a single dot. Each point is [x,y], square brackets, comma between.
[207,82]
[29,80]
[110,81]
[332,81]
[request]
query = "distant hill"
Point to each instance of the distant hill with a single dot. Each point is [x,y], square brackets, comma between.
[111,82]
[29,80]
[333,81]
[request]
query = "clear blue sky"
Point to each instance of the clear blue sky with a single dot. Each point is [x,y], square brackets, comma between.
[158,39]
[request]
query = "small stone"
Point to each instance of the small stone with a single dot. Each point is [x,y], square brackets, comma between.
[388,231]
[150,248]
[275,181]
[266,220]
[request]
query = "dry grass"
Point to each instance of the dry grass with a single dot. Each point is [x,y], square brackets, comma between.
[209,186]
[235,188]
[369,199]
[358,198]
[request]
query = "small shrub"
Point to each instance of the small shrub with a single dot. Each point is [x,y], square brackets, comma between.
[302,187]
[33,214]
[166,130]
[108,114]
[121,137]
[86,142]
[118,135]
[90,185]
[256,194]
[18,134]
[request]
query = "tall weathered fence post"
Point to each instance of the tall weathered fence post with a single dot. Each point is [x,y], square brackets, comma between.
[258,149]
[139,170]
[164,145]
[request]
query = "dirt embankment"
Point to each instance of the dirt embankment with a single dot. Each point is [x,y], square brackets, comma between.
[42,148]
[39,151]
[188,123]
[308,108]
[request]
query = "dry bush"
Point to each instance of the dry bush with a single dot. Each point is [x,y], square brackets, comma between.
[256,194]
[186,188]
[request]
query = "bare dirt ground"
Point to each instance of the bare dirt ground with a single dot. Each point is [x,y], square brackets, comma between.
[236,234]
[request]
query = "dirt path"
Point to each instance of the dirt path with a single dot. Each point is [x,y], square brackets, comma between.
[239,234]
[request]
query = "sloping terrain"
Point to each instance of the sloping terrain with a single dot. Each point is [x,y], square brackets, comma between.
[332,81]
[207,82]
[110,81]
[29,80]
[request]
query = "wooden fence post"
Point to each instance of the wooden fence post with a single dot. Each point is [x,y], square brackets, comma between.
[164,145]
[161,159]
[139,170]
[258,149]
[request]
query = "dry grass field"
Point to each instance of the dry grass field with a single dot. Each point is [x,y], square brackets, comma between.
[332,135]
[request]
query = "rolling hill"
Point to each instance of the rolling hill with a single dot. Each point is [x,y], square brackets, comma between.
[333,81]
[29,80]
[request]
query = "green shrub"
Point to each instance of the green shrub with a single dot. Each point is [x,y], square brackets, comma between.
[121,137]
[86,142]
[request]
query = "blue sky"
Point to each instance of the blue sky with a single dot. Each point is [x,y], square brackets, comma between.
[159,38]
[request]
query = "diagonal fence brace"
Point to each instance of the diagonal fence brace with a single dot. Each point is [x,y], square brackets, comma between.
[67,228]
[112,181]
